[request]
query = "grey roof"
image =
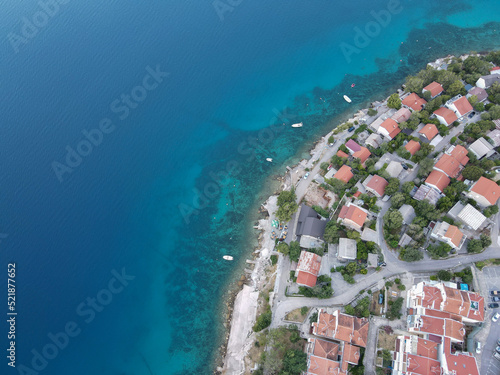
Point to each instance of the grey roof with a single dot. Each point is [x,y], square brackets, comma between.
[372,260]
[428,193]
[479,92]
[490,79]
[347,248]
[455,210]
[408,213]
[405,240]
[471,217]
[481,147]
[394,168]
[308,223]
[494,135]
[369,235]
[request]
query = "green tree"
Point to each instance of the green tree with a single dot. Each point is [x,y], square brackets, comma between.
[397,200]
[444,204]
[414,84]
[294,251]
[372,112]
[472,172]
[263,321]
[490,210]
[332,232]
[407,187]
[412,255]
[393,219]
[287,205]
[444,275]
[350,269]
[426,166]
[324,166]
[392,187]
[394,311]
[394,101]
[485,240]
[283,248]
[439,251]
[294,362]
[386,355]
[455,88]
[304,310]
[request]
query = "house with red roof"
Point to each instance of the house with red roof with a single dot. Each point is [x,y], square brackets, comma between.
[437,180]
[429,131]
[485,192]
[453,163]
[352,146]
[449,234]
[460,105]
[308,269]
[389,128]
[362,154]
[375,185]
[414,102]
[344,174]
[434,88]
[342,327]
[353,216]
[495,70]
[403,114]
[342,154]
[445,116]
[412,147]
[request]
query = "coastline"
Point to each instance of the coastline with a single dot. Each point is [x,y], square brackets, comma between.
[242,315]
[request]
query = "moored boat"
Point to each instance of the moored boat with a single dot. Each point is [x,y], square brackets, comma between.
[298,125]
[347,99]
[228,257]
[270,160]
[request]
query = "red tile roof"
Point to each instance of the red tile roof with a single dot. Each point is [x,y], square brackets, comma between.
[378,184]
[422,365]
[434,88]
[454,330]
[414,101]
[308,268]
[362,154]
[326,349]
[488,189]
[459,363]
[429,131]
[351,354]
[412,147]
[462,105]
[465,304]
[356,194]
[460,154]
[403,114]
[449,165]
[432,297]
[353,213]
[448,115]
[342,154]
[323,366]
[342,327]
[352,145]
[438,179]
[391,127]
[344,174]
[427,348]
[430,324]
[454,234]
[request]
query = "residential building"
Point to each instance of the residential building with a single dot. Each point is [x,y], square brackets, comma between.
[459,153]
[453,161]
[494,135]
[429,194]
[460,105]
[342,154]
[497,123]
[352,146]
[485,192]
[347,249]
[481,148]
[375,185]
[485,82]
[495,70]
[403,114]
[389,129]
[372,260]
[480,94]
[324,358]
[394,168]
[434,88]
[471,217]
[414,102]
[310,228]
[449,234]
[445,116]
[437,180]
[353,216]
[408,213]
[339,326]
[344,174]
[308,269]
[362,154]
[412,147]
[429,131]
[369,235]
[374,140]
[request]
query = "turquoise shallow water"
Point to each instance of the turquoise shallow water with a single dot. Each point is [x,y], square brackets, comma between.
[229,83]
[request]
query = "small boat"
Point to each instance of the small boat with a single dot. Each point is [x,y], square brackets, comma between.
[270,160]
[352,85]
[347,99]
[298,125]
[227,257]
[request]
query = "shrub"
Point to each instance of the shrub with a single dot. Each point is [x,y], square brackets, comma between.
[434,278]
[397,281]
[313,318]
[444,275]
[401,287]
[304,310]
[263,321]
[364,271]
[274,259]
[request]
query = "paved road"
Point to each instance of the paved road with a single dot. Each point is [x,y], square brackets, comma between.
[489,365]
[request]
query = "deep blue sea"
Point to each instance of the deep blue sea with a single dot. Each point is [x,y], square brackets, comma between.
[121,248]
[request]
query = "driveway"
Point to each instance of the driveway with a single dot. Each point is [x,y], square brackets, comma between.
[489,365]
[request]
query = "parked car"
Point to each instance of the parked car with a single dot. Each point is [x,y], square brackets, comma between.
[405,167]
[478,347]
[495,299]
[472,114]
[498,342]
[306,175]
[380,298]
[351,129]
[382,264]
[495,292]
[493,306]
[497,356]
[498,349]
[329,167]
[495,317]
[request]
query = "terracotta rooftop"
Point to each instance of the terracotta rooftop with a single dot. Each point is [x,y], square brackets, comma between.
[323,366]
[412,147]
[488,189]
[434,88]
[432,297]
[342,154]
[308,268]
[378,184]
[403,114]
[344,174]
[463,303]
[427,348]
[352,145]
[414,101]
[362,154]
[353,213]
[342,327]
[454,330]
[422,365]
[356,194]
[449,165]
[454,234]
[326,349]
[448,115]
[459,363]
[431,324]
[391,127]
[429,131]
[351,354]
[462,105]
[460,154]
[438,179]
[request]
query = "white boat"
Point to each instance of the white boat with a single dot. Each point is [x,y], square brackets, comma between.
[347,99]
[270,160]
[298,125]
[227,257]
